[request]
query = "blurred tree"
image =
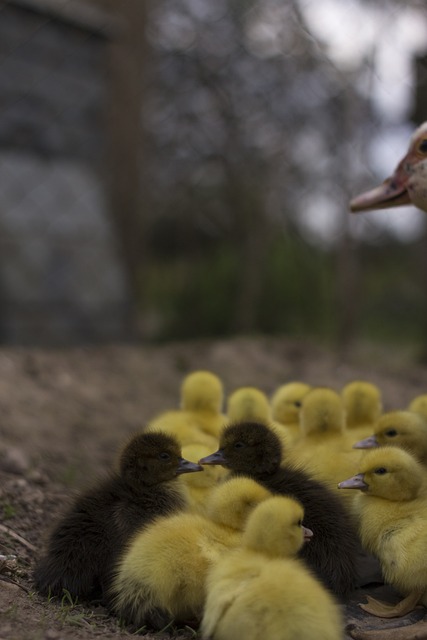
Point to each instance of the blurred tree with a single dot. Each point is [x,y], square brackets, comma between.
[126,156]
[259,120]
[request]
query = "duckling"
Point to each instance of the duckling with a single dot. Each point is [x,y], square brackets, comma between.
[200,485]
[199,418]
[261,590]
[254,450]
[392,507]
[407,185]
[285,407]
[323,448]
[248,403]
[251,404]
[161,576]
[86,541]
[404,429]
[363,406]
[419,405]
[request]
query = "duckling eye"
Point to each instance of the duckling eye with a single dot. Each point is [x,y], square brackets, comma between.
[423,146]
[239,445]
[380,471]
[164,455]
[391,433]
[298,403]
[300,523]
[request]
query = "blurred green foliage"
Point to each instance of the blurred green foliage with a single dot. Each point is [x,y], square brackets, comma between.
[194,296]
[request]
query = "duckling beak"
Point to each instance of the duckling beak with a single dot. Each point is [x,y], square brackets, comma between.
[214,458]
[185,466]
[308,534]
[367,443]
[356,482]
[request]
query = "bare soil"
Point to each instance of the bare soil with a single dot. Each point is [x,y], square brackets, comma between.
[65,413]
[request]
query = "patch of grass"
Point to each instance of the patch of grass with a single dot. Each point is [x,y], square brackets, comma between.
[9,511]
[12,612]
[69,475]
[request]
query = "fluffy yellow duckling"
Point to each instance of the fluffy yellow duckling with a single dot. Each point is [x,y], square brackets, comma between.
[363,406]
[419,405]
[249,404]
[392,510]
[261,590]
[322,448]
[285,407]
[407,185]
[199,418]
[404,429]
[200,489]
[162,574]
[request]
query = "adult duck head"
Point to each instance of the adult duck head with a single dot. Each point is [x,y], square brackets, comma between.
[408,183]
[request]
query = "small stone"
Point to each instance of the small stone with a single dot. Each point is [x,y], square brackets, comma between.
[14,460]
[52,634]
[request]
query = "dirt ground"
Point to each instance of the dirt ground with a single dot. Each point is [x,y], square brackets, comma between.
[64,413]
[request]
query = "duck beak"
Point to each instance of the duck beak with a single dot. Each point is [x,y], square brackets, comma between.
[308,534]
[185,466]
[356,482]
[367,443]
[215,458]
[391,193]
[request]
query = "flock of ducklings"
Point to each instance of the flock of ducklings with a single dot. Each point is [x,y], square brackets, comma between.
[247,523]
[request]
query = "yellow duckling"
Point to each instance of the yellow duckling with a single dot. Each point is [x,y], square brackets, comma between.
[404,429]
[199,418]
[285,407]
[392,510]
[419,405]
[322,448]
[261,590]
[200,489]
[363,406]
[249,404]
[162,574]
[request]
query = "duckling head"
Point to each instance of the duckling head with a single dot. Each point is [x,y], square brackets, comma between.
[153,457]
[248,403]
[249,448]
[231,502]
[202,391]
[388,472]
[407,185]
[419,405]
[322,412]
[404,429]
[286,402]
[362,403]
[275,528]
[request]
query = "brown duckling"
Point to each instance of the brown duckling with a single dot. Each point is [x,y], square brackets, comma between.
[251,449]
[87,540]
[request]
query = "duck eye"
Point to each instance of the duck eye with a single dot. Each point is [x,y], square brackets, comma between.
[164,455]
[298,403]
[380,471]
[239,445]
[391,433]
[423,146]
